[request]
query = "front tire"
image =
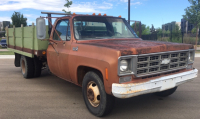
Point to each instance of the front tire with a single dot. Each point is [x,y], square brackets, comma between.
[27,67]
[166,92]
[97,101]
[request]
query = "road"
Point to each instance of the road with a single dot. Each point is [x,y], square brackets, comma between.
[3,49]
[49,97]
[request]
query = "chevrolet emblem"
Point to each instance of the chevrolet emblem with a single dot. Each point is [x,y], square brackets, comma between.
[165,61]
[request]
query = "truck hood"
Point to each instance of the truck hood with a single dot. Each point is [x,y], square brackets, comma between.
[136,47]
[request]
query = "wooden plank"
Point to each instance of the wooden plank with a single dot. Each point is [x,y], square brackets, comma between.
[7,35]
[33,36]
[22,36]
[14,36]
[27,32]
[21,52]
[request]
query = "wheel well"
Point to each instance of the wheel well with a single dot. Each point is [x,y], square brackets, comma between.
[82,70]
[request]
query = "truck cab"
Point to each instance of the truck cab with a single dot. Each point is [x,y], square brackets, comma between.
[104,56]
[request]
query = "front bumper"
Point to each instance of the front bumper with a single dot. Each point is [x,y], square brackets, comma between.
[156,85]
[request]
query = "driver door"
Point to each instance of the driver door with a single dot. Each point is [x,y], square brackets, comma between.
[58,52]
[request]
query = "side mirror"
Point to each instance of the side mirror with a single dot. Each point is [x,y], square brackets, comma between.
[41,28]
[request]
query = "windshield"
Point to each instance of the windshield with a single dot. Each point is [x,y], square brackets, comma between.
[89,28]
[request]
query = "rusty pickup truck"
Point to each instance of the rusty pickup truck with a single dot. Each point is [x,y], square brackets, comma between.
[103,55]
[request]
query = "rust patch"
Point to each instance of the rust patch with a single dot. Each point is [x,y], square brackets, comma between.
[143,50]
[133,91]
[126,52]
[137,46]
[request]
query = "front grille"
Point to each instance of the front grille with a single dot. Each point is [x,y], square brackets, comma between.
[147,64]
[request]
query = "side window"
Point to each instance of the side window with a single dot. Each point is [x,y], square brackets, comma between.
[63,30]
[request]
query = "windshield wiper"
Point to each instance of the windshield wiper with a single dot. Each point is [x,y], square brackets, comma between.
[101,37]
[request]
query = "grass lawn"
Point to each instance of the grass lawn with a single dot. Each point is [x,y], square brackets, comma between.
[2,48]
[6,53]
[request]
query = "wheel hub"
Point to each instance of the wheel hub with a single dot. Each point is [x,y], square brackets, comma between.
[93,94]
[23,67]
[90,94]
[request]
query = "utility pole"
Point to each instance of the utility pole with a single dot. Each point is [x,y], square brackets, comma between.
[171,33]
[129,5]
[197,27]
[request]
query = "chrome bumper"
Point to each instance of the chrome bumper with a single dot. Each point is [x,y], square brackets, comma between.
[156,85]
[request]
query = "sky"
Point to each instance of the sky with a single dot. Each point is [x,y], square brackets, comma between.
[156,12]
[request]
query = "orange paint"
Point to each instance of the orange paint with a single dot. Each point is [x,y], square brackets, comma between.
[43,52]
[106,74]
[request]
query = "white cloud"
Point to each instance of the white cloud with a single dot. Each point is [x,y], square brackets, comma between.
[30,22]
[125,0]
[53,5]
[133,3]
[30,15]
[5,19]
[136,3]
[30,18]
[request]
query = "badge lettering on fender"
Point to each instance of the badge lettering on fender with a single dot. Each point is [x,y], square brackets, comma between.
[75,48]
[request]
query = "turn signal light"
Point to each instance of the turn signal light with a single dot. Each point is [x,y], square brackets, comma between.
[93,14]
[106,74]
[43,52]
[105,15]
[99,14]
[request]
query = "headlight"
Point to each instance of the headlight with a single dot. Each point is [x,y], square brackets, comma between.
[123,65]
[127,65]
[191,56]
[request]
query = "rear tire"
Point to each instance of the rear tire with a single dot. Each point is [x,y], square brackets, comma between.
[17,60]
[166,92]
[27,67]
[97,101]
[37,67]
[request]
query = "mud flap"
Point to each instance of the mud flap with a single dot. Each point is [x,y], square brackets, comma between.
[17,60]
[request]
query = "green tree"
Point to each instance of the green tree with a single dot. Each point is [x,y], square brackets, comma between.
[18,19]
[68,5]
[176,29]
[176,34]
[167,32]
[159,30]
[135,26]
[161,34]
[194,30]
[145,30]
[192,15]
